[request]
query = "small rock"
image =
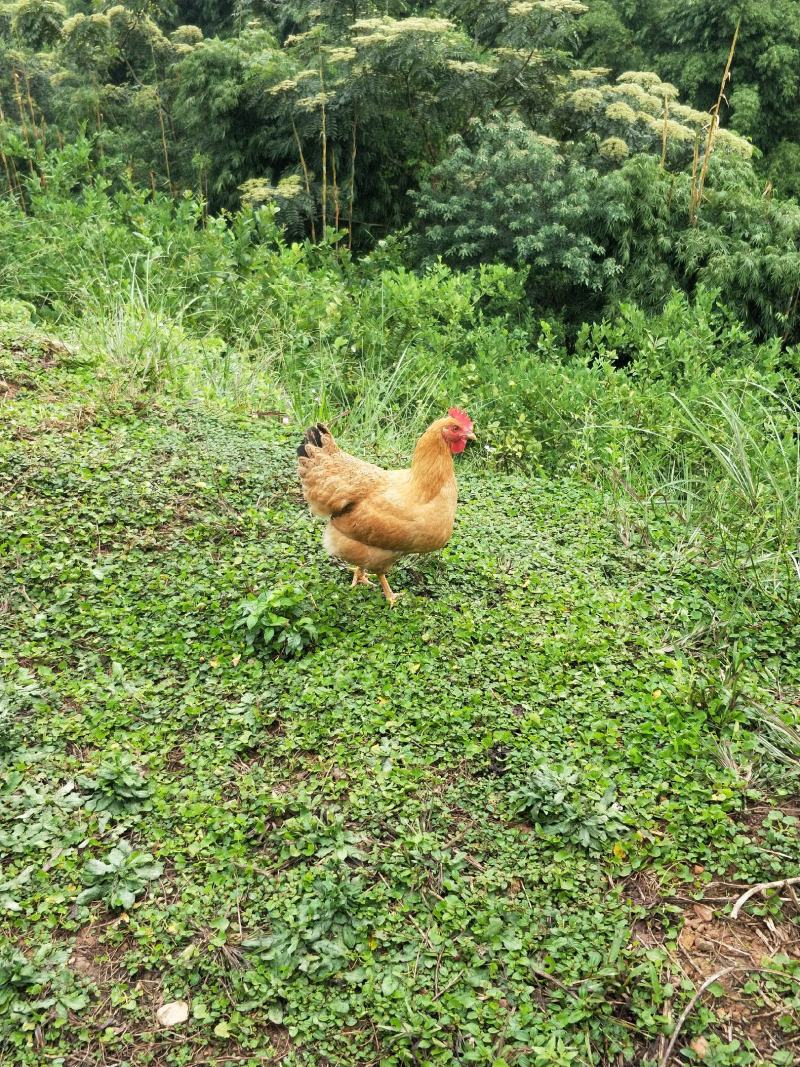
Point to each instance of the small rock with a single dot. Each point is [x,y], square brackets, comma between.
[700,1046]
[686,938]
[172,1014]
[702,911]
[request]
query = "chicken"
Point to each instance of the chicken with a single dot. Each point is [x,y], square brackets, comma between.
[376,516]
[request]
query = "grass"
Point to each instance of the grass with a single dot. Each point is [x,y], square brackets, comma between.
[476,829]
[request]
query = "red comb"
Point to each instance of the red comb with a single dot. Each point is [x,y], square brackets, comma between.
[462,418]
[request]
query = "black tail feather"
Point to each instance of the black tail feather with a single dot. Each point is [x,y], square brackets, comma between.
[313,436]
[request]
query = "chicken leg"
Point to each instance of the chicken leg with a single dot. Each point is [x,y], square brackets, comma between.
[360,577]
[387,591]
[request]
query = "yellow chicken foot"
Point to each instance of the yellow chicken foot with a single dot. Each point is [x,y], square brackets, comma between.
[360,577]
[387,592]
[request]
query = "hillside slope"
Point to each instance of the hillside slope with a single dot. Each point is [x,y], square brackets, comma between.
[475,829]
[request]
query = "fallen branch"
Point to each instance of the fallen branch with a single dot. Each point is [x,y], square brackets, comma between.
[760,888]
[664,1060]
[687,1011]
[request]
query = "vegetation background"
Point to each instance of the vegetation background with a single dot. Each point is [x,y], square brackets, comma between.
[507,824]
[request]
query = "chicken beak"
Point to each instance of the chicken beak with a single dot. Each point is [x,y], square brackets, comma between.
[471,437]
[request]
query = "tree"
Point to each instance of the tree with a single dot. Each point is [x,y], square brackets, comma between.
[741,243]
[687,42]
[504,193]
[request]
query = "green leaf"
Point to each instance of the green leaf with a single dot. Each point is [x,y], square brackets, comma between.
[96,867]
[125,898]
[87,895]
[150,871]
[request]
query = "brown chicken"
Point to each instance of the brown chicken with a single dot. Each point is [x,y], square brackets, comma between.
[376,516]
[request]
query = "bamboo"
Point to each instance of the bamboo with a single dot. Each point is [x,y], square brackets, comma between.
[202,190]
[693,193]
[37,133]
[664,134]
[161,121]
[352,186]
[20,109]
[6,168]
[307,178]
[164,143]
[9,162]
[38,130]
[324,136]
[335,189]
[98,118]
[790,312]
[715,110]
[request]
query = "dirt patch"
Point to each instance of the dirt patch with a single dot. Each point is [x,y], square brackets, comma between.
[95,958]
[159,1049]
[103,964]
[89,958]
[711,942]
[9,389]
[82,753]
[747,950]
[755,815]
[644,888]
[175,759]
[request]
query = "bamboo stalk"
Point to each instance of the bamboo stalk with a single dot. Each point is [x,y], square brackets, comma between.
[7,169]
[790,312]
[38,130]
[693,198]
[307,178]
[164,142]
[9,163]
[352,186]
[98,118]
[37,133]
[715,110]
[324,136]
[202,184]
[335,189]
[20,109]
[161,121]
[11,191]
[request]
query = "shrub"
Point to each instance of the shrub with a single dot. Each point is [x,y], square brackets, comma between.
[120,878]
[278,619]
[117,787]
[505,193]
[550,797]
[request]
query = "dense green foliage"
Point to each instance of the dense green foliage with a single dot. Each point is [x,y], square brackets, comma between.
[480,131]
[687,42]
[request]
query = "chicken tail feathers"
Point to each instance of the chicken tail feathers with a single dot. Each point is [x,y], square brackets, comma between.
[313,436]
[330,478]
